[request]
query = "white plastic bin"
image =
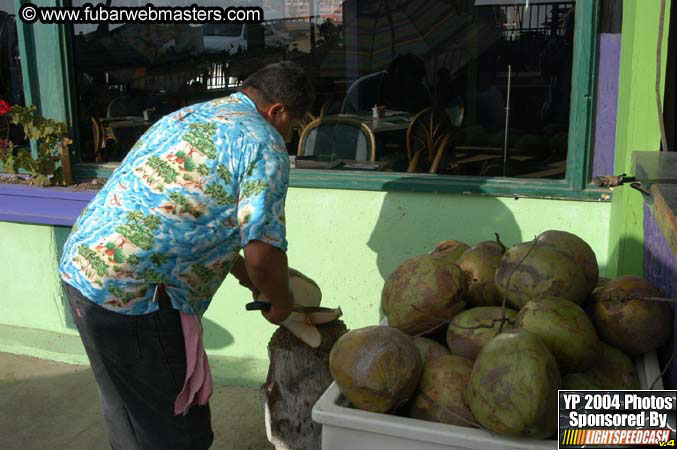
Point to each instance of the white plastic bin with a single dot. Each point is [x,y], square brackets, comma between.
[347,428]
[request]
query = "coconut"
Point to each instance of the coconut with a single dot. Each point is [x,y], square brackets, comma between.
[565,328]
[422,294]
[469,331]
[625,321]
[578,249]
[440,396]
[513,386]
[613,370]
[377,368]
[539,271]
[429,349]
[450,251]
[479,264]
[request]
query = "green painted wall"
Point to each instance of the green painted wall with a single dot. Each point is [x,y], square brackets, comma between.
[348,241]
[637,127]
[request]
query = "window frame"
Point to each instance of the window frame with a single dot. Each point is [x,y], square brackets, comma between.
[575,185]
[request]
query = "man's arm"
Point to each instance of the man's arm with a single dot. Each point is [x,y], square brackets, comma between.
[239,271]
[268,271]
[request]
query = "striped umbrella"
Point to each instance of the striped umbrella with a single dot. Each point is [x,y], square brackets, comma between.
[375,31]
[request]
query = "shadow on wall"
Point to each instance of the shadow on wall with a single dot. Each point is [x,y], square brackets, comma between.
[411,224]
[216,337]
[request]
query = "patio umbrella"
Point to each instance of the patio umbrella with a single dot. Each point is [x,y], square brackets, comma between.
[378,30]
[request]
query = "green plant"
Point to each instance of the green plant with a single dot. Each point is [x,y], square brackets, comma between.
[53,141]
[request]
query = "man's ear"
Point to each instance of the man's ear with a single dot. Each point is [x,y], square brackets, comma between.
[276,108]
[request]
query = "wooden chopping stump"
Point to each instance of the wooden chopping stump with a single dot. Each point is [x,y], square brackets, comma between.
[298,375]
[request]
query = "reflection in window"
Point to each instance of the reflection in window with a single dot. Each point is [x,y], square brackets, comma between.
[11,82]
[430,65]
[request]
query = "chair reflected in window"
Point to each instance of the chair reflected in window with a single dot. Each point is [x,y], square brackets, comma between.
[101,135]
[337,138]
[428,141]
[455,114]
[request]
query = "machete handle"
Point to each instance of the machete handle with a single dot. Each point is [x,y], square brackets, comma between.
[258,306]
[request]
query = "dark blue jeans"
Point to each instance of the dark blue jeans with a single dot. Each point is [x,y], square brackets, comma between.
[139,363]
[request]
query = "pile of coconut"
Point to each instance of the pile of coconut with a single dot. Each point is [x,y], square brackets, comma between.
[484,336]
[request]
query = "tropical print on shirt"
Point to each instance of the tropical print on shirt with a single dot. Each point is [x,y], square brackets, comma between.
[195,189]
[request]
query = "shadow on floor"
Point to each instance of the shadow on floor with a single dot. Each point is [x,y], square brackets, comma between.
[52,405]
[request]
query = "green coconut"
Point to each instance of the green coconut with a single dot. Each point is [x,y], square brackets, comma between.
[513,386]
[613,370]
[469,331]
[537,271]
[479,264]
[627,322]
[377,368]
[422,294]
[565,328]
[429,349]
[450,251]
[440,396]
[578,249]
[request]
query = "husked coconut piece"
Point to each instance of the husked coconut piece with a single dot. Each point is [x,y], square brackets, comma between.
[306,291]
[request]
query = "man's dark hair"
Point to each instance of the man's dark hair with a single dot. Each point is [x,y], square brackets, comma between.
[283,82]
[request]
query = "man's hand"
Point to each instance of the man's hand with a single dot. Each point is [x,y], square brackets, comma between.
[279,313]
[267,269]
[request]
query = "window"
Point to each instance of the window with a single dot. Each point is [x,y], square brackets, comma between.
[11,82]
[456,60]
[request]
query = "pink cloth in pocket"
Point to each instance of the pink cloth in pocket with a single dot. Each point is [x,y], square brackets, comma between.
[197,387]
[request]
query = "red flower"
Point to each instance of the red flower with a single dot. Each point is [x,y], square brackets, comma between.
[4,107]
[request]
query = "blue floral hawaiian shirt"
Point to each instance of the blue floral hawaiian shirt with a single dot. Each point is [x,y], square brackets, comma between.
[195,189]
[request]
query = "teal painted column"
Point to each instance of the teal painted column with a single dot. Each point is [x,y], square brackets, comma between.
[44,64]
[637,129]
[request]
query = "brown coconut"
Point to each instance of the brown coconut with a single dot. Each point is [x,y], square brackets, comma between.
[377,368]
[450,251]
[469,331]
[440,396]
[625,321]
[479,264]
[513,386]
[578,249]
[565,328]
[422,294]
[429,349]
[540,270]
[613,370]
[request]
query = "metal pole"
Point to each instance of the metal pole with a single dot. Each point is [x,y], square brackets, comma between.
[312,26]
[507,122]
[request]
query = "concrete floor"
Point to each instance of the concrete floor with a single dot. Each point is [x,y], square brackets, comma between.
[48,405]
